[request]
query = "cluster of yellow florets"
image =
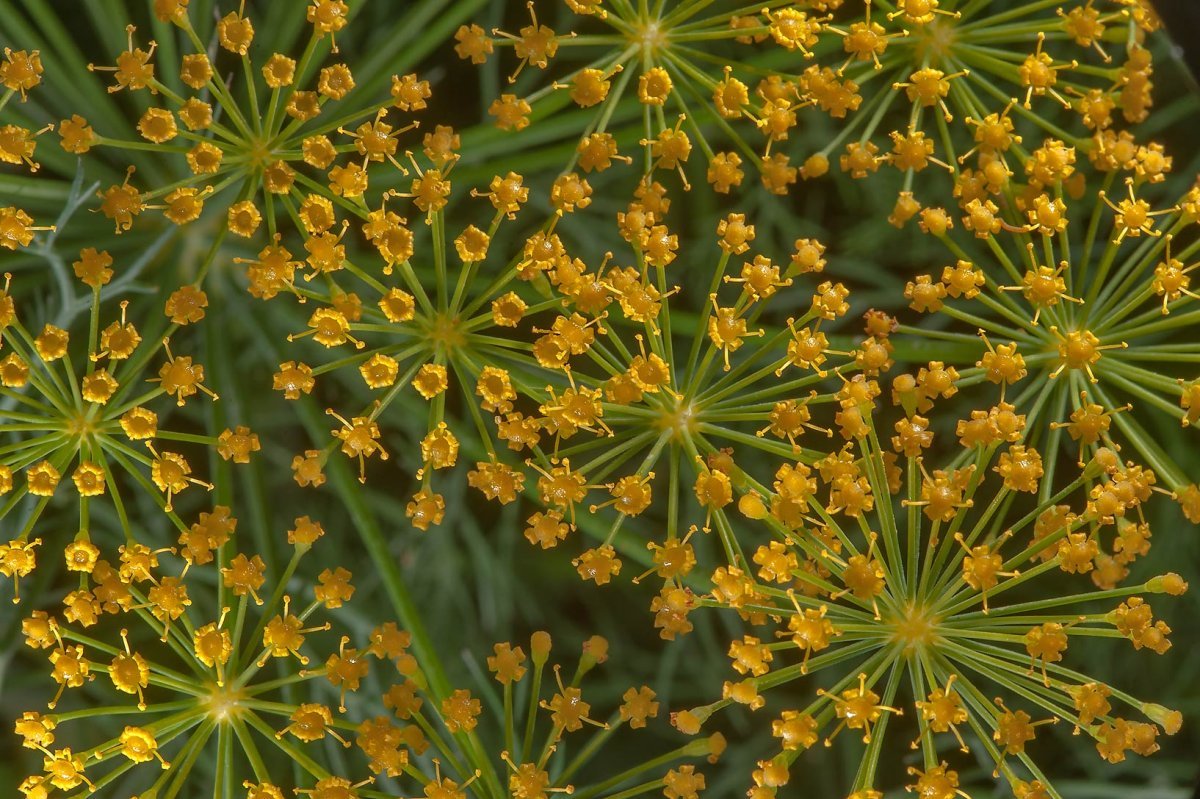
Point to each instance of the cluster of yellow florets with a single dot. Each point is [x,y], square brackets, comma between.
[910,598]
[693,397]
[88,420]
[858,66]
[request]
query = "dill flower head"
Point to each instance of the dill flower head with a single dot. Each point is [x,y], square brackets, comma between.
[911,85]
[173,678]
[1076,304]
[572,367]
[947,603]
[693,73]
[676,376]
[221,120]
[255,682]
[546,350]
[430,321]
[86,412]
[701,412]
[956,87]
[542,738]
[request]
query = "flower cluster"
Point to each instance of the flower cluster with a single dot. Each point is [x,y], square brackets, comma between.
[554,349]
[186,675]
[188,678]
[967,74]
[89,410]
[1082,297]
[248,141]
[505,267]
[918,590]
